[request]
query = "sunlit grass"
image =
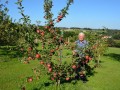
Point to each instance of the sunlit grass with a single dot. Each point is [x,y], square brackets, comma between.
[13,73]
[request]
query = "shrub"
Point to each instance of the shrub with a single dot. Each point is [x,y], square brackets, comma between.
[117,43]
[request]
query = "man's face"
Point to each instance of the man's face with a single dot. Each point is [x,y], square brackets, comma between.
[81,37]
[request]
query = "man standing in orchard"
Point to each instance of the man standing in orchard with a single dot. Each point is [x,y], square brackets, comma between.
[81,44]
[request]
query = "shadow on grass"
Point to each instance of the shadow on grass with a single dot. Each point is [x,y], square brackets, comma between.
[114,56]
[43,85]
[7,51]
[90,72]
[73,80]
[6,54]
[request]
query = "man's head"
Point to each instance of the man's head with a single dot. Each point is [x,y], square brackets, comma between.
[81,36]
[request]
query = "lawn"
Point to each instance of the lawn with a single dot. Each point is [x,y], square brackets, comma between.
[13,74]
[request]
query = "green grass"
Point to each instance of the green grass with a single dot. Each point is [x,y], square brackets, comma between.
[13,73]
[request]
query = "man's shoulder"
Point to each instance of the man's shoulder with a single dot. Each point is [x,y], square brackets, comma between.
[85,41]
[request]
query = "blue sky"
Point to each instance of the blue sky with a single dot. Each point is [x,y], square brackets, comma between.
[83,13]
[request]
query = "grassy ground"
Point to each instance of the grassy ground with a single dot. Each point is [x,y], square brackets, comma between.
[13,74]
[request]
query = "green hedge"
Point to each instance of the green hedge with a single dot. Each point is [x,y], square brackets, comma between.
[117,43]
[114,43]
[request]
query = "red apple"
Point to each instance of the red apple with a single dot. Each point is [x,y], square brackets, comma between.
[41,62]
[58,17]
[74,66]
[50,69]
[38,31]
[61,16]
[29,79]
[81,75]
[42,33]
[90,58]
[48,65]
[67,78]
[55,74]
[29,58]
[57,48]
[51,51]
[52,78]
[58,20]
[86,61]
[47,27]
[87,57]
[38,56]
[30,49]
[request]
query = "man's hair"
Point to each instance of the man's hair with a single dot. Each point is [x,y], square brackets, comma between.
[81,33]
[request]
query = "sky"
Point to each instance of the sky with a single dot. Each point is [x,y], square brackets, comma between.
[82,13]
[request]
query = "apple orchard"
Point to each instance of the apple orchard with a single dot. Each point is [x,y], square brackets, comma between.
[48,45]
